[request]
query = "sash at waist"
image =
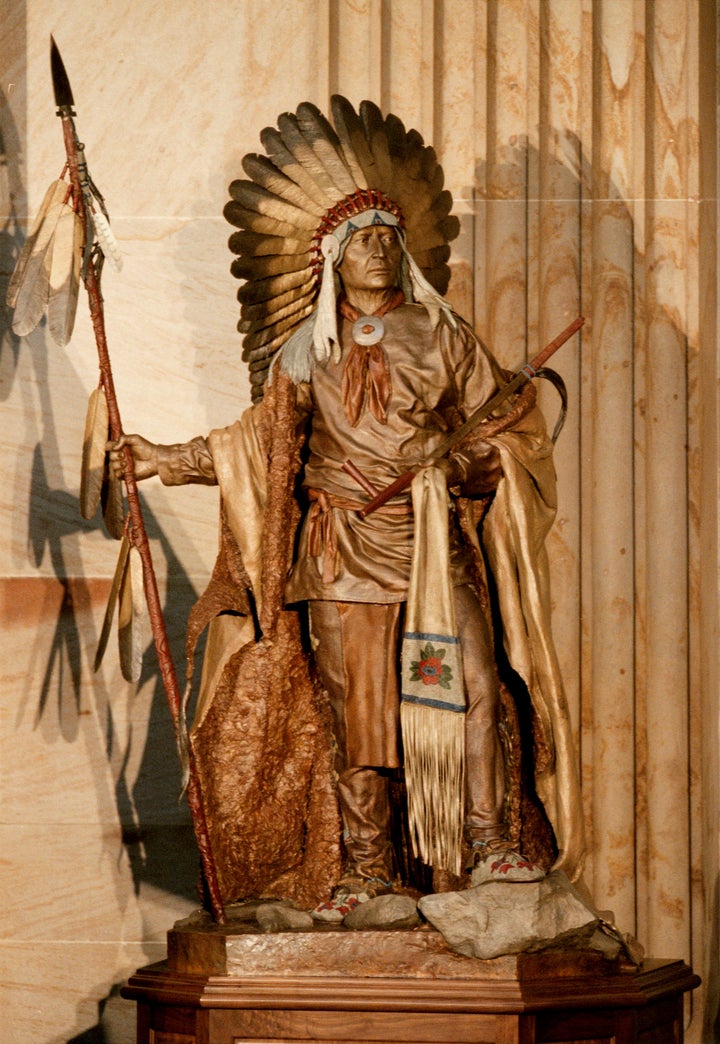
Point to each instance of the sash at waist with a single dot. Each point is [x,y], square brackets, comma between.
[321,534]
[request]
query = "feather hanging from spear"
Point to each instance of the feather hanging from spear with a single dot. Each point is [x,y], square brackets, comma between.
[64,283]
[97,422]
[113,505]
[98,485]
[30,293]
[47,274]
[57,193]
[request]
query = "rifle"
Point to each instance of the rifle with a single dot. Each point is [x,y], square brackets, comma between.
[526,373]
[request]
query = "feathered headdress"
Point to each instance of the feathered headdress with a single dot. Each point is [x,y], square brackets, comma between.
[302,203]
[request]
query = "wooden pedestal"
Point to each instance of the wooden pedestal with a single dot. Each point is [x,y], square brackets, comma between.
[219,987]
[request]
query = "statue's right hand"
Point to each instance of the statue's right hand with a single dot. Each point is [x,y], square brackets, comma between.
[144,455]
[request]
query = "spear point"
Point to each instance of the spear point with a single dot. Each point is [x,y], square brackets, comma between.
[61,83]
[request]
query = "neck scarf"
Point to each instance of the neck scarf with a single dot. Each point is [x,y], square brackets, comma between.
[366,376]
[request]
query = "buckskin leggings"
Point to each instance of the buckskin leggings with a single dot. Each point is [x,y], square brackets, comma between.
[357,651]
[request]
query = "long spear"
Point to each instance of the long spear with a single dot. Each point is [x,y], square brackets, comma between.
[83,195]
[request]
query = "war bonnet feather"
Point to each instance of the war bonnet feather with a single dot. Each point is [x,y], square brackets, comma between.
[303,199]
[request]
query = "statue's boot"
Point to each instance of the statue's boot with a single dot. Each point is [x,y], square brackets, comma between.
[363,794]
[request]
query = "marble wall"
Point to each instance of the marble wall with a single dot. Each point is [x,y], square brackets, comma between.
[579,138]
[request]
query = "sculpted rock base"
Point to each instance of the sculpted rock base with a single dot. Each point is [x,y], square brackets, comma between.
[281,917]
[384,911]
[493,920]
[499,918]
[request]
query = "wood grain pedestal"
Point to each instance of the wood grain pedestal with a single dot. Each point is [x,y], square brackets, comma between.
[221,986]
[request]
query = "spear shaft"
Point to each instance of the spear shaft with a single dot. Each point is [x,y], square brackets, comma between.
[78,179]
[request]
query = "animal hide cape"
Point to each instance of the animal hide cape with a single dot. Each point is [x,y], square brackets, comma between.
[262,735]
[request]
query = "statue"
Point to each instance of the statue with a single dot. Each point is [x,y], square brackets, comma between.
[347,648]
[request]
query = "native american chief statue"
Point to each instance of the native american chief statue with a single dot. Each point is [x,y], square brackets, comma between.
[356,659]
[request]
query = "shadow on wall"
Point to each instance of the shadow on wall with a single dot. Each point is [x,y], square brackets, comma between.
[116,1022]
[158,839]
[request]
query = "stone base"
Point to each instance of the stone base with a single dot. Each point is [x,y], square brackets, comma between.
[226,986]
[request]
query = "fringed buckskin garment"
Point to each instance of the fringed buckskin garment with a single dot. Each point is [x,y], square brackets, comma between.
[263,734]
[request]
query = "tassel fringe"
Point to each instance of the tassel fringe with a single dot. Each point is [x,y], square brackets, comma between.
[434,743]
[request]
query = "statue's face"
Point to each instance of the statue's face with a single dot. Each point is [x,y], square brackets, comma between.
[371,260]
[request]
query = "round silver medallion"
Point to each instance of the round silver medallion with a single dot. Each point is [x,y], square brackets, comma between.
[368,329]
